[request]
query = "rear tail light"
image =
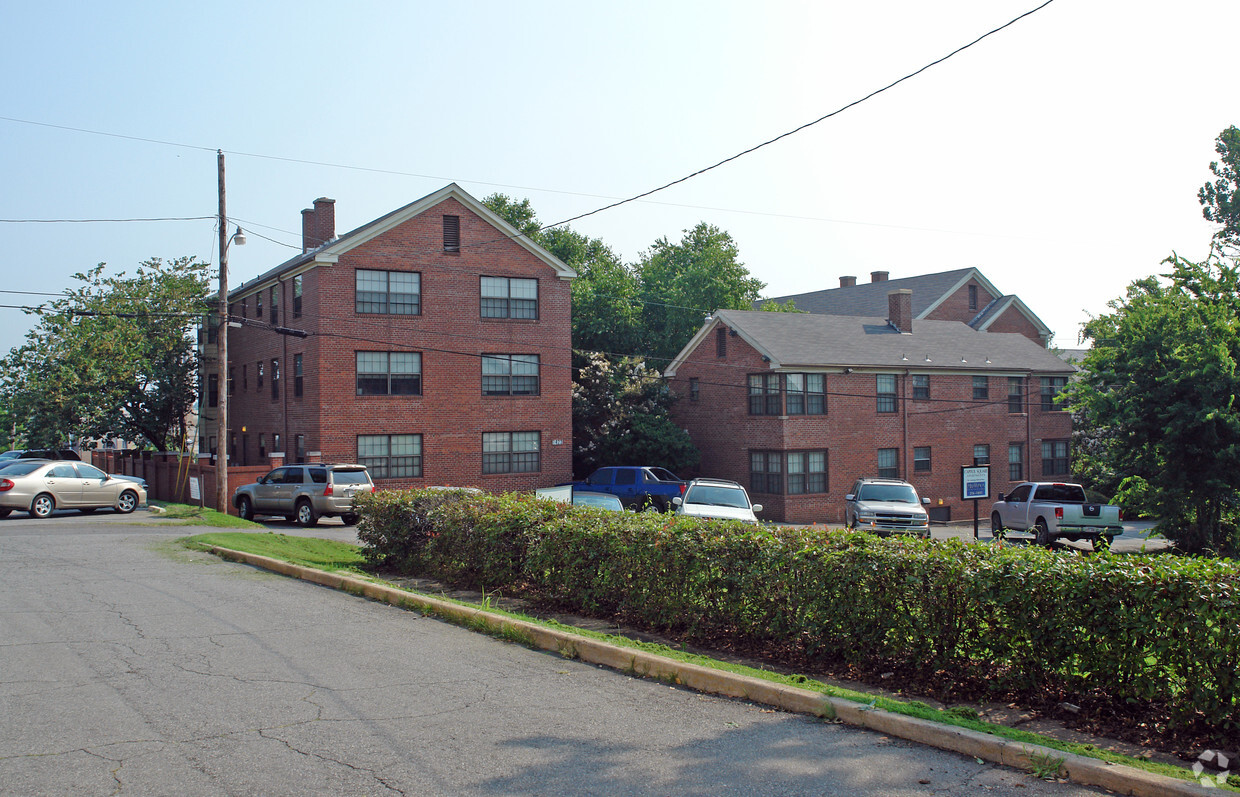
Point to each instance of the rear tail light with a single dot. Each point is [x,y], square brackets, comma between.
[6,484]
[682,488]
[1059,513]
[328,490]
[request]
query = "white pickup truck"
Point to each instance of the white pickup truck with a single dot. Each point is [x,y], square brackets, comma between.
[1052,510]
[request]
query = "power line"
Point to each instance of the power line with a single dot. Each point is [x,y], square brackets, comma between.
[102,221]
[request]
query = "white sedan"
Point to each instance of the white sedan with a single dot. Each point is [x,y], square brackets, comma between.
[40,487]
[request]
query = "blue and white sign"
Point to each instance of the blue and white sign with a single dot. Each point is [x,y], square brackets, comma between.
[975,482]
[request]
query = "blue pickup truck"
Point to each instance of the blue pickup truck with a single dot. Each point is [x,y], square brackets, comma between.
[637,487]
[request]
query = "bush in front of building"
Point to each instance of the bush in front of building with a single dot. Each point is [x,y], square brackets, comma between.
[1158,632]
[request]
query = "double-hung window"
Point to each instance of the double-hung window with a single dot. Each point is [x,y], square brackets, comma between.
[889,463]
[275,304]
[297,296]
[981,454]
[806,394]
[1051,388]
[504,297]
[1016,461]
[510,374]
[275,377]
[921,386]
[807,472]
[390,292]
[1016,394]
[921,459]
[885,385]
[391,456]
[299,375]
[1054,457]
[389,373]
[511,452]
[766,472]
[764,394]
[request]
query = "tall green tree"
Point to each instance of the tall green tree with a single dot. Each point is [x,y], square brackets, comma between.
[621,414]
[682,282]
[1220,199]
[1164,373]
[113,357]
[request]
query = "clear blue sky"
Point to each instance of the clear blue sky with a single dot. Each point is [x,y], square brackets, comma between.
[1061,156]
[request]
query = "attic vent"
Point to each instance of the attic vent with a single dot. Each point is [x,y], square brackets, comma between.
[452,233]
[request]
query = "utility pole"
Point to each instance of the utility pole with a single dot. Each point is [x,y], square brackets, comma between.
[221,388]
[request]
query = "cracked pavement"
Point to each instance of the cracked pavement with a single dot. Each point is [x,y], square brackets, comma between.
[128,671]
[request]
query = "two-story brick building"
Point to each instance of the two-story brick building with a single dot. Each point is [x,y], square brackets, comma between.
[797,406]
[431,344]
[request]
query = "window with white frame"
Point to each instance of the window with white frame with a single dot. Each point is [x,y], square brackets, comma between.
[511,452]
[391,456]
[389,292]
[389,373]
[510,374]
[504,297]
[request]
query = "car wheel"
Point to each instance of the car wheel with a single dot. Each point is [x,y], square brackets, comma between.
[5,512]
[306,516]
[127,503]
[42,506]
[245,509]
[350,519]
[1042,534]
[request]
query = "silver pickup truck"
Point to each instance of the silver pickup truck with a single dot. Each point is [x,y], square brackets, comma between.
[1053,510]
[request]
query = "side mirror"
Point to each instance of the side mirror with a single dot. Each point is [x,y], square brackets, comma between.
[757,508]
[850,497]
[677,500]
[1002,497]
[925,501]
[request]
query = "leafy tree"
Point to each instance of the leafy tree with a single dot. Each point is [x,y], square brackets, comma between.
[1164,371]
[113,357]
[621,414]
[682,282]
[772,306]
[1219,199]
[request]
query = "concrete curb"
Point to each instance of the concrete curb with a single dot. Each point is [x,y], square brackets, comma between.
[1078,769]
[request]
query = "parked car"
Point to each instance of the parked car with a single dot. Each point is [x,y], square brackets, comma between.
[304,493]
[717,499]
[41,453]
[638,487]
[41,486]
[886,506]
[1055,509]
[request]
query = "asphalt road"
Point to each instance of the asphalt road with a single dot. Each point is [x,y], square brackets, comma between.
[131,666]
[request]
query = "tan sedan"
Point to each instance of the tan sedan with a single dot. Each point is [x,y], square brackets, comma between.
[40,487]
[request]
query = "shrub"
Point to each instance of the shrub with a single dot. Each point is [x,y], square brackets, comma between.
[1160,630]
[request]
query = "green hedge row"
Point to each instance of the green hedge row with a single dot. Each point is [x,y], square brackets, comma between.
[1161,631]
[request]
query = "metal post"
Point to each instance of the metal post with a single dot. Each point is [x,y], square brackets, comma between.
[221,389]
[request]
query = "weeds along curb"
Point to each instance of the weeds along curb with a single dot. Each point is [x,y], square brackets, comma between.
[1020,755]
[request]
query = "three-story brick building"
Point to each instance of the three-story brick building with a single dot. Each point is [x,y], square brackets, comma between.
[431,344]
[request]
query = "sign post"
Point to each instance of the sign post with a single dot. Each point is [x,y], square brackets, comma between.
[975,486]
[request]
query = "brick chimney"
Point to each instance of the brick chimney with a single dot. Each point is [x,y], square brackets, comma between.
[318,224]
[900,309]
[878,276]
[848,282]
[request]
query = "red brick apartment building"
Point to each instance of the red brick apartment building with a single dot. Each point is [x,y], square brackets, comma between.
[436,351]
[797,406]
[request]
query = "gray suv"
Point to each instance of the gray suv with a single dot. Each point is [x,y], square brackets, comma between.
[304,493]
[886,506]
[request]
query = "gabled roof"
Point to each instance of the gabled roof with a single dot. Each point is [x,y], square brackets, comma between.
[929,291]
[330,252]
[806,340]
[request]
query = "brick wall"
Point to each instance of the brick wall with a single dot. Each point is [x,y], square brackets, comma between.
[852,431]
[956,308]
[451,414]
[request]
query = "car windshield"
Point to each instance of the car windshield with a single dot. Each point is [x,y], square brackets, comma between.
[10,455]
[357,476]
[22,468]
[662,474]
[895,493]
[1061,493]
[717,495]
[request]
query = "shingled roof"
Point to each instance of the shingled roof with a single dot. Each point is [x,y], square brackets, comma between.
[806,340]
[870,298]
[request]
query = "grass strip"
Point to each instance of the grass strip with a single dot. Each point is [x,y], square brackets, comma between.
[333,556]
[189,515]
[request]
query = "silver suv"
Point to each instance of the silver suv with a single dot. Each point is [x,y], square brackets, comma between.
[886,506]
[304,493]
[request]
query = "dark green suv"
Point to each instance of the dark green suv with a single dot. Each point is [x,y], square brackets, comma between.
[304,493]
